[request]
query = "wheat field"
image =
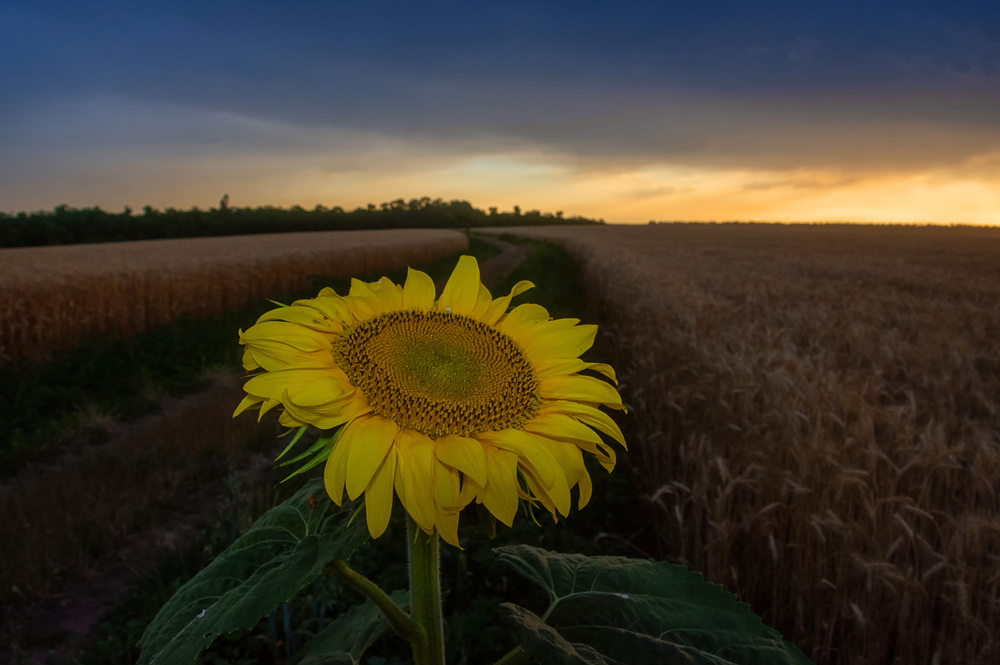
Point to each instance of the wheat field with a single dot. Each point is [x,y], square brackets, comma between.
[55,296]
[818,417]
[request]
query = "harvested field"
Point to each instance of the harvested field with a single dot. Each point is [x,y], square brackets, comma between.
[818,415]
[55,296]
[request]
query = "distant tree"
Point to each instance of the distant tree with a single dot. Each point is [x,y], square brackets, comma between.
[65,225]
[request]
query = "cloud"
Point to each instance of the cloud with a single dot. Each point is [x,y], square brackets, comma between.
[802,49]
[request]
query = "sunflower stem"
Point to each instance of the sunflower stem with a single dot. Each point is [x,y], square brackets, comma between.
[425,595]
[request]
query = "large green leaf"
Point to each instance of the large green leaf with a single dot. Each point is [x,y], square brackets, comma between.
[345,640]
[616,610]
[284,551]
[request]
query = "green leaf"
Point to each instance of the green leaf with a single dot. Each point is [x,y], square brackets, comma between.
[284,551]
[617,610]
[295,439]
[345,640]
[322,448]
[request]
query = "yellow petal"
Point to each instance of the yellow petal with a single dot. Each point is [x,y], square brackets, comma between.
[447,528]
[268,405]
[547,367]
[335,472]
[325,417]
[551,366]
[249,363]
[447,487]
[558,488]
[390,296]
[551,341]
[605,369]
[273,356]
[498,307]
[521,321]
[500,493]
[464,454]
[330,306]
[296,336]
[369,438]
[302,316]
[482,304]
[538,493]
[325,390]
[285,419]
[447,502]
[248,401]
[570,461]
[526,447]
[589,416]
[586,489]
[363,301]
[378,496]
[461,293]
[419,291]
[561,426]
[294,381]
[580,389]
[415,476]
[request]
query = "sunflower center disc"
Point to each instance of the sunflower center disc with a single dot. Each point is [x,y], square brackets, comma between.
[439,373]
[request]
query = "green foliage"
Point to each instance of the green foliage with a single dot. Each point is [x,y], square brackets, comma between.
[555,275]
[346,639]
[283,552]
[320,451]
[606,610]
[68,226]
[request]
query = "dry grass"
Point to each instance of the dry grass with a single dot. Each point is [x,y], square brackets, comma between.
[819,422]
[55,296]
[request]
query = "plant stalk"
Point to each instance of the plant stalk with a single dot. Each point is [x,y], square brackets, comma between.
[398,619]
[516,656]
[425,595]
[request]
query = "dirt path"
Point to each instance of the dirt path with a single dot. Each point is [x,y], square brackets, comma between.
[510,259]
[54,630]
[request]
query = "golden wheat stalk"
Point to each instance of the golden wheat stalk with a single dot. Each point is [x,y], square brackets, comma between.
[55,296]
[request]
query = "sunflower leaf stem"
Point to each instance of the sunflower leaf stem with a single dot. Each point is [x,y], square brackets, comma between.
[398,619]
[425,594]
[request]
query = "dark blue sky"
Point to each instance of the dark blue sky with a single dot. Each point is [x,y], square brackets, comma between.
[846,87]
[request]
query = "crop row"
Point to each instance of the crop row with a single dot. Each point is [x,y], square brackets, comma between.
[819,422]
[56,296]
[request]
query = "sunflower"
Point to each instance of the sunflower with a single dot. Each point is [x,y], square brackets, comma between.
[445,400]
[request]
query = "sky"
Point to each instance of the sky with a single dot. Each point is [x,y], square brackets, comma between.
[627,111]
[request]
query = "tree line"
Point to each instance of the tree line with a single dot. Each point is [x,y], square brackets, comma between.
[68,226]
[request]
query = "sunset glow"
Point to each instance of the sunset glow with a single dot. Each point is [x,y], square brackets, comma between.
[851,113]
